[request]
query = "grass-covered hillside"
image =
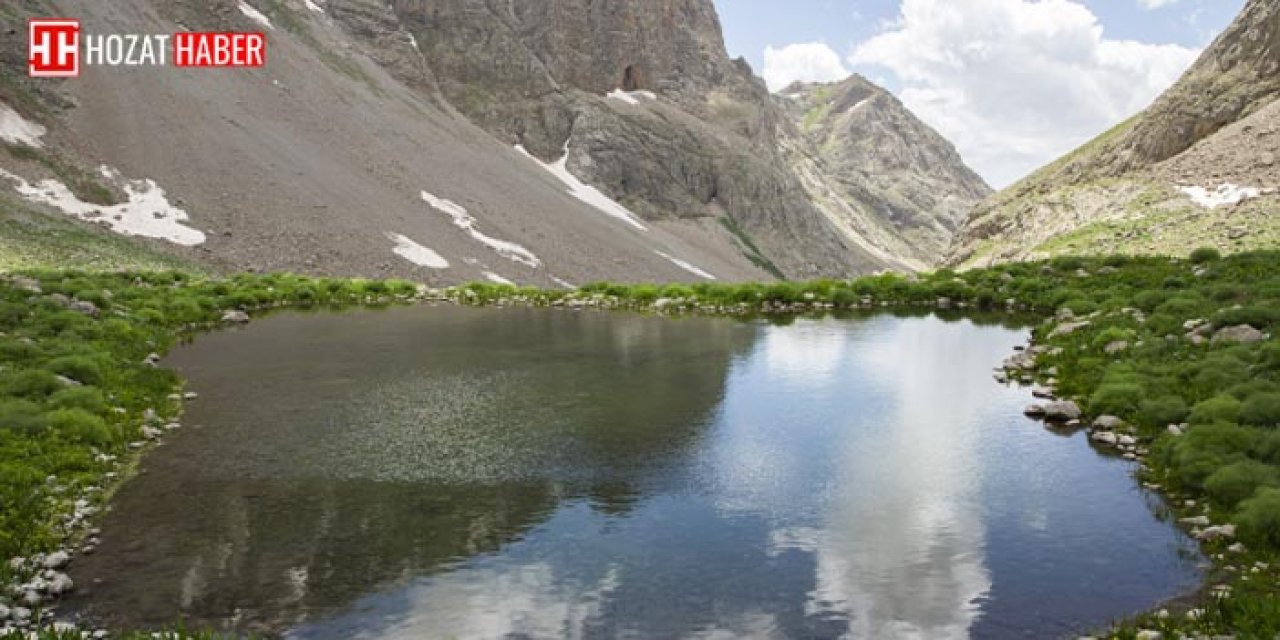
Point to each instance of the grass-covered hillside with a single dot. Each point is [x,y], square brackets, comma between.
[1175,360]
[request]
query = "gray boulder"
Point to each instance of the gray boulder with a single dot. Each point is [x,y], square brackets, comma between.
[1108,423]
[26,284]
[1062,411]
[59,585]
[235,317]
[1217,533]
[1241,334]
[85,307]
[57,560]
[1104,438]
[1068,328]
[1117,347]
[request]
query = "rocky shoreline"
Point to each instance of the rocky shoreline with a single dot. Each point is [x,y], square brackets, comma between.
[1110,435]
[42,579]
[38,582]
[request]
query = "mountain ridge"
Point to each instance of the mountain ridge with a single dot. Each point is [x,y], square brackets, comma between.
[1137,188]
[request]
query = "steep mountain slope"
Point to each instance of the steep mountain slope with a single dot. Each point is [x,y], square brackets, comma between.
[1197,168]
[640,99]
[321,162]
[535,141]
[886,164]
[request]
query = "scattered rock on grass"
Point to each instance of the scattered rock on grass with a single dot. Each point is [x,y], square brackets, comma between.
[1241,334]
[236,317]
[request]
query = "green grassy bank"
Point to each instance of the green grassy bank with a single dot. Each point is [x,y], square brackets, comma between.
[77,385]
[81,395]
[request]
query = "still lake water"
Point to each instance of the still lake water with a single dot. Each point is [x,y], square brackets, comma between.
[440,472]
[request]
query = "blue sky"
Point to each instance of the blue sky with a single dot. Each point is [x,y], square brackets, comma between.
[1013,83]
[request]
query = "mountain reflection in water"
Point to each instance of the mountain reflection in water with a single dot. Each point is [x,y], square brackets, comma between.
[447,472]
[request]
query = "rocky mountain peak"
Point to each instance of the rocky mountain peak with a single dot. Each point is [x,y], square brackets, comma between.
[885,160]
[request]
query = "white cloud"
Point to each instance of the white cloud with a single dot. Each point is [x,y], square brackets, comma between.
[1156,4]
[1015,83]
[805,62]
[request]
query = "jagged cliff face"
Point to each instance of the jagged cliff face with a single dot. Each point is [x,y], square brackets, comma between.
[1197,168]
[646,104]
[886,165]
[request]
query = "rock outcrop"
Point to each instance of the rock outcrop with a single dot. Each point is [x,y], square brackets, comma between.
[641,100]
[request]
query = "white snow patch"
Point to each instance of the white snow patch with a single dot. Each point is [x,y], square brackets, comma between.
[1225,195]
[15,129]
[414,43]
[495,278]
[467,222]
[255,15]
[860,104]
[416,253]
[686,266]
[313,6]
[631,97]
[583,191]
[563,283]
[147,212]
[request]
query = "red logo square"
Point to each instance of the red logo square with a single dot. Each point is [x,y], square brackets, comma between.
[53,48]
